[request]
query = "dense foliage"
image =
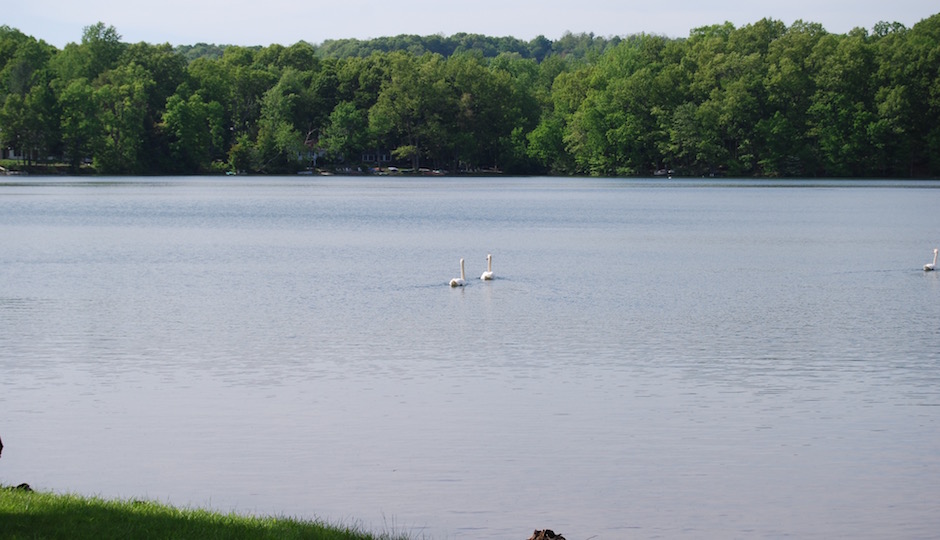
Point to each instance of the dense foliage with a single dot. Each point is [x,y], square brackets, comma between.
[764,99]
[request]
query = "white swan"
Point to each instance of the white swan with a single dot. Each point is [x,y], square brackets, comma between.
[459,282]
[489,268]
[931,266]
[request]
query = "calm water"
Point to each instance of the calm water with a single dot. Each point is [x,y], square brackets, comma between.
[654,360]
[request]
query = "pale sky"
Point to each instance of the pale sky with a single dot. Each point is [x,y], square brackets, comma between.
[264,22]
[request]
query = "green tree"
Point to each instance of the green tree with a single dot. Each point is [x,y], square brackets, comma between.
[99,51]
[360,80]
[246,84]
[241,155]
[409,112]
[551,142]
[80,127]
[346,132]
[301,56]
[616,129]
[279,143]
[21,57]
[518,108]
[790,85]
[922,78]
[842,108]
[122,102]
[195,130]
[167,69]
[28,107]
[893,131]
[487,108]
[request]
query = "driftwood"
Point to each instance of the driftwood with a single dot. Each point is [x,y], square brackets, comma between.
[547,534]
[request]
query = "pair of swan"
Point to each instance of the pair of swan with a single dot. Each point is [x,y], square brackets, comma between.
[488,275]
[929,267]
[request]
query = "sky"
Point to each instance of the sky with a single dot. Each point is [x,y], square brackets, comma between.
[285,22]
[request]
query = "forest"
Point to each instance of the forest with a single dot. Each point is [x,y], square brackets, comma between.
[760,100]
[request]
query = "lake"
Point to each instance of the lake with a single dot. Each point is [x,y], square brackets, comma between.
[655,358]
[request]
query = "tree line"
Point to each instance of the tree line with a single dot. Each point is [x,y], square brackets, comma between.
[764,99]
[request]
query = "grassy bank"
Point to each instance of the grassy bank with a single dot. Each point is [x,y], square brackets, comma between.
[31,514]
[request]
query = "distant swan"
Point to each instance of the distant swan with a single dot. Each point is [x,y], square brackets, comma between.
[459,282]
[489,268]
[931,266]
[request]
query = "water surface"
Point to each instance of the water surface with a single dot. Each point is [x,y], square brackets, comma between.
[700,359]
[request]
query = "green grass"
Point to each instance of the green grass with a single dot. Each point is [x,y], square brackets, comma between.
[38,515]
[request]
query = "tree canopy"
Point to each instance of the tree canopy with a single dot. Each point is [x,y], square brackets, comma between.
[764,99]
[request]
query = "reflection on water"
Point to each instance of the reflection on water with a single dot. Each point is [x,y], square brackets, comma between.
[653,359]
